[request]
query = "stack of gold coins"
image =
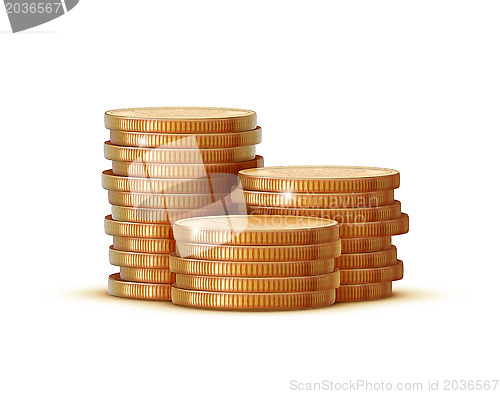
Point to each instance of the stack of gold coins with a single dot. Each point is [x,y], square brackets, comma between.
[168,163]
[361,199]
[263,262]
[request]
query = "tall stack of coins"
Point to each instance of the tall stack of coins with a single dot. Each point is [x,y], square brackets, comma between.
[168,163]
[260,262]
[361,199]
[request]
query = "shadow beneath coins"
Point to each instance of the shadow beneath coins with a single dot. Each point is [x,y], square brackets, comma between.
[101,294]
[414,294]
[398,295]
[90,293]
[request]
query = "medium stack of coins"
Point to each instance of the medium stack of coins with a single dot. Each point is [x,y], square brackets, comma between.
[361,199]
[261,262]
[168,163]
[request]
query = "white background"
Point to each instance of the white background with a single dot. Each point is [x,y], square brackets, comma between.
[407,85]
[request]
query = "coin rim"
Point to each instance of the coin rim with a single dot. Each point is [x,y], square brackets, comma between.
[233,284]
[208,267]
[351,276]
[143,288]
[269,297]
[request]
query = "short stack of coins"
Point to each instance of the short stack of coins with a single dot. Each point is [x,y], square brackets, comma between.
[168,163]
[361,199]
[261,262]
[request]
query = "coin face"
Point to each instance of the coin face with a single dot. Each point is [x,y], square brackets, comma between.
[319,172]
[254,222]
[185,113]
[319,179]
[193,120]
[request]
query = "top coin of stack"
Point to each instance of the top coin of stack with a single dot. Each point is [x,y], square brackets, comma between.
[168,163]
[255,262]
[361,199]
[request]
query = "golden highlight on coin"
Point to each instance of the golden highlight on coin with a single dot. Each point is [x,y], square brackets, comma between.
[315,200]
[319,179]
[256,230]
[363,292]
[375,229]
[341,215]
[121,258]
[202,141]
[190,266]
[144,245]
[372,275]
[155,215]
[136,230]
[142,291]
[252,301]
[181,119]
[281,284]
[217,183]
[367,260]
[259,253]
[181,156]
[146,275]
[175,201]
[155,170]
[366,245]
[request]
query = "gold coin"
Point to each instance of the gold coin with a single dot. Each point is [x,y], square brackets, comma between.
[165,201]
[136,230]
[145,275]
[202,141]
[250,268]
[181,119]
[138,260]
[259,253]
[319,179]
[367,260]
[363,292]
[375,229]
[252,301]
[256,230]
[182,156]
[281,284]
[142,291]
[166,216]
[315,200]
[218,184]
[154,170]
[365,245]
[340,215]
[144,245]
[372,275]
